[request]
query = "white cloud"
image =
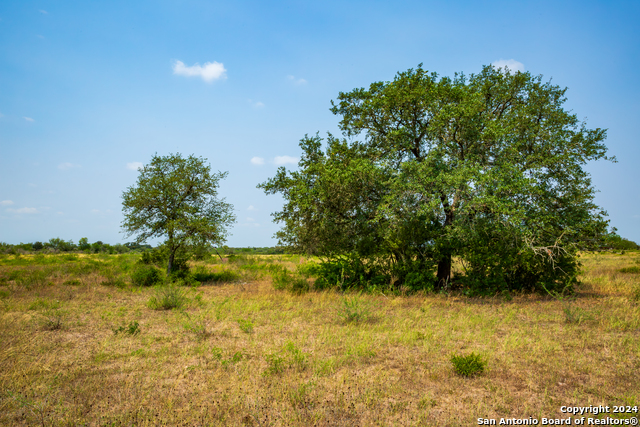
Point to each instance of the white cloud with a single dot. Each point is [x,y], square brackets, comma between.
[283,160]
[6,203]
[95,211]
[29,119]
[44,12]
[251,219]
[134,166]
[256,104]
[23,211]
[297,81]
[209,72]
[67,165]
[1,115]
[251,208]
[511,64]
[257,160]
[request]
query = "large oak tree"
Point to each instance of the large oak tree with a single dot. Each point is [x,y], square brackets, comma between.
[487,168]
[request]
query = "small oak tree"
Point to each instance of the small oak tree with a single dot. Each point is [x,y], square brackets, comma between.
[486,170]
[176,198]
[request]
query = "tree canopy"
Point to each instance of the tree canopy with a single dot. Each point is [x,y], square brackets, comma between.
[177,198]
[485,170]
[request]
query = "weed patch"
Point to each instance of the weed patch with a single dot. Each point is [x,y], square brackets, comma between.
[469,365]
[353,310]
[132,328]
[235,358]
[245,325]
[290,357]
[167,298]
[51,320]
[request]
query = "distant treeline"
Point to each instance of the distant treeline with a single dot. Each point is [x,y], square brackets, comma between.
[59,245]
[612,242]
[253,251]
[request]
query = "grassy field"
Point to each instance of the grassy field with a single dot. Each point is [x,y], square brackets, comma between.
[79,345]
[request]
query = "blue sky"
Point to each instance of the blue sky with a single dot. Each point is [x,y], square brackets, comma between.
[89,90]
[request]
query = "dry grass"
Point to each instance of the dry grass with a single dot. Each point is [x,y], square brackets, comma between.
[245,354]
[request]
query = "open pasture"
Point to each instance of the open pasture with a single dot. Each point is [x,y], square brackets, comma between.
[80,345]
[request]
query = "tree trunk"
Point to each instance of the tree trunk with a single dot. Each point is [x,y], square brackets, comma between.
[170,266]
[444,271]
[444,264]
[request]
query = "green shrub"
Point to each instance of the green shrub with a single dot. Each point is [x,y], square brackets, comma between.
[202,275]
[284,280]
[420,280]
[146,275]
[469,365]
[632,270]
[152,256]
[114,280]
[280,278]
[33,277]
[350,272]
[299,286]
[160,258]
[167,298]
